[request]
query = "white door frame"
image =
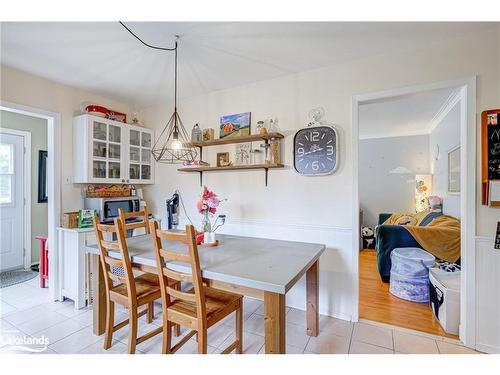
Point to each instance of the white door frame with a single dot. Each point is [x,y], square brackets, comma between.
[26,191]
[53,180]
[467,94]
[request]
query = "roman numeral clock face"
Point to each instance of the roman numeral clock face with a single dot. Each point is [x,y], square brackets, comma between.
[315,151]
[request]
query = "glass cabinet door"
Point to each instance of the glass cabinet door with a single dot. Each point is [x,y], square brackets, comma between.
[140,161]
[106,150]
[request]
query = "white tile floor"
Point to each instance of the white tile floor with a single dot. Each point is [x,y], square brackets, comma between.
[26,311]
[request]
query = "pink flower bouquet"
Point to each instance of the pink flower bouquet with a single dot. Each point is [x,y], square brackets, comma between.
[208,202]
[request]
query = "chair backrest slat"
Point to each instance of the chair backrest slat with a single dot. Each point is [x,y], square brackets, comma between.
[171,274]
[174,256]
[110,245]
[190,297]
[123,216]
[163,257]
[113,261]
[107,261]
[117,278]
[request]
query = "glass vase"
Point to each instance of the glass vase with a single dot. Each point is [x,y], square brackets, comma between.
[206,225]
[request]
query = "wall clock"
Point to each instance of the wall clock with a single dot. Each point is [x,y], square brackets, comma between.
[315,148]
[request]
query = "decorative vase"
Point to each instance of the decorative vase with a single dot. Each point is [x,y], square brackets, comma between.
[206,225]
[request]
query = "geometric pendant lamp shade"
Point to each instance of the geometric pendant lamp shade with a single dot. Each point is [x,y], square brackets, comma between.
[173,145]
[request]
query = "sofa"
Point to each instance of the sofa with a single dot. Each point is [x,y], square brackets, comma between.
[390,237]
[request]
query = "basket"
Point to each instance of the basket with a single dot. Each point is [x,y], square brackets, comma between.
[70,220]
[108,192]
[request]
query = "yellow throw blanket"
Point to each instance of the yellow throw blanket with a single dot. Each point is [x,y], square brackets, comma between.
[441,237]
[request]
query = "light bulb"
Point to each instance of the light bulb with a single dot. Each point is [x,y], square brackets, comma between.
[176,144]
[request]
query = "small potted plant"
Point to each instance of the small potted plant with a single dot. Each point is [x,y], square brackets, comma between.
[207,206]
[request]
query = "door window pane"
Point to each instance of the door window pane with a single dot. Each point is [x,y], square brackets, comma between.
[6,172]
[6,156]
[146,140]
[114,170]
[146,155]
[134,154]
[114,151]
[134,171]
[114,133]
[145,172]
[5,188]
[99,149]
[99,169]
[99,130]
[134,138]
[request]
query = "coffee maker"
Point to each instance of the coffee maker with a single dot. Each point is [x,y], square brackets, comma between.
[173,211]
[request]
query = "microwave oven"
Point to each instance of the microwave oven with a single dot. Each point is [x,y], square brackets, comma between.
[107,208]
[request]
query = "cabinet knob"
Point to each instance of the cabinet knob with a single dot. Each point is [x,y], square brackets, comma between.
[123,180]
[128,180]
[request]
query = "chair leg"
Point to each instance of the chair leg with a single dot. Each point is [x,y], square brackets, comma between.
[132,333]
[239,330]
[177,330]
[110,322]
[167,337]
[150,313]
[202,341]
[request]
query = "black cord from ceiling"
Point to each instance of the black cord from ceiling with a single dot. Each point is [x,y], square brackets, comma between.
[146,44]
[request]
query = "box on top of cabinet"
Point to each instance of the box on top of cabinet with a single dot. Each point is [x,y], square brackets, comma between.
[111,152]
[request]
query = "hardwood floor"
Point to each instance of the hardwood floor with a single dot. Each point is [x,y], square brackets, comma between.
[377,304]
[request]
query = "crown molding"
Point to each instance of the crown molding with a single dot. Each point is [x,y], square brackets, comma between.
[447,106]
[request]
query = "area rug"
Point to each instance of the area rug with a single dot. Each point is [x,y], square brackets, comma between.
[10,278]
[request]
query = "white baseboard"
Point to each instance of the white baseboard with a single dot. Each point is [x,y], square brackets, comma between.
[485,348]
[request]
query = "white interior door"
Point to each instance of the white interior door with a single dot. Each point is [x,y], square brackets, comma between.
[12,181]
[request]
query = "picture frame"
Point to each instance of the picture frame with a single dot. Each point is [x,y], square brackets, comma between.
[208,134]
[242,153]
[223,159]
[42,177]
[236,125]
[454,170]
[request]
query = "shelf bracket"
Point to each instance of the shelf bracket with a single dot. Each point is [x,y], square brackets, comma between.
[267,170]
[201,178]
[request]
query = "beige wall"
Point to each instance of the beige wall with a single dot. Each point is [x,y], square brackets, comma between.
[319,208]
[23,88]
[38,129]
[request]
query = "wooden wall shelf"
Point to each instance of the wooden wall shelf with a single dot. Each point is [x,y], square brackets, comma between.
[227,141]
[230,168]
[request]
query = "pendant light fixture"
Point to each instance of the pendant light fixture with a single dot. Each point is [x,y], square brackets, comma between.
[173,146]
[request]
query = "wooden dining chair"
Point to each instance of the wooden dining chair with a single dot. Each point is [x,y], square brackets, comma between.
[127,290]
[144,214]
[198,308]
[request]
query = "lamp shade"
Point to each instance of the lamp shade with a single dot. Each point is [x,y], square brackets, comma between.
[423,189]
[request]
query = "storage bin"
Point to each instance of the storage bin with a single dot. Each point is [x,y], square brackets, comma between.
[410,274]
[445,298]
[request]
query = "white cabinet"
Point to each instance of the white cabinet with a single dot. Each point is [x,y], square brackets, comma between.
[111,152]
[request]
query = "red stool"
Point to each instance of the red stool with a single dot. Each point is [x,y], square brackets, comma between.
[44,260]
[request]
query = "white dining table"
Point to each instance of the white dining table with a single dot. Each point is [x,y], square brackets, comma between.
[261,268]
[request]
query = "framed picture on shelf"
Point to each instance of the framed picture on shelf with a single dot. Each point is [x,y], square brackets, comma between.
[223,159]
[242,154]
[237,125]
[208,134]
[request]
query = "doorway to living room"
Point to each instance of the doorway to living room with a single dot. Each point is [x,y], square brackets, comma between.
[413,207]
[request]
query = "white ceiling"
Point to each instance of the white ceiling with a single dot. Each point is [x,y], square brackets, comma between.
[104,58]
[404,115]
